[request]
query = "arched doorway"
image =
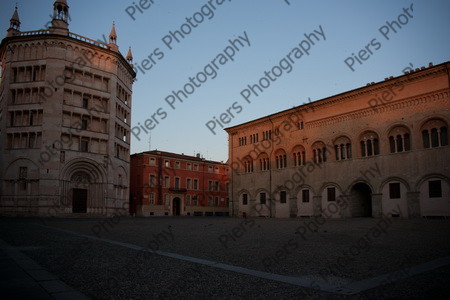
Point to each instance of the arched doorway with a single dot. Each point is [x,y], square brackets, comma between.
[80,185]
[361,195]
[83,187]
[176,204]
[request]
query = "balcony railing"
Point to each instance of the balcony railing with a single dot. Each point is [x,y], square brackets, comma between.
[177,190]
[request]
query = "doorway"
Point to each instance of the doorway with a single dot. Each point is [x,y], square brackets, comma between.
[176,206]
[361,195]
[79,201]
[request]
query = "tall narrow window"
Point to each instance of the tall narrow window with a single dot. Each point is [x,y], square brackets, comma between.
[394,190]
[305,196]
[244,199]
[434,189]
[363,149]
[262,198]
[188,183]
[85,102]
[283,197]
[331,194]
[434,138]
[84,146]
[31,140]
[399,139]
[152,182]
[195,183]
[426,139]
[369,144]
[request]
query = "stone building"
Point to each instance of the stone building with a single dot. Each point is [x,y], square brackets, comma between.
[377,150]
[65,105]
[164,183]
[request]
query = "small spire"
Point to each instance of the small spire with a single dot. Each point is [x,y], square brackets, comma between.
[113,35]
[15,21]
[130,56]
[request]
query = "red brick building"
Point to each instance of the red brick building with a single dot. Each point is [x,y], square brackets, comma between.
[171,184]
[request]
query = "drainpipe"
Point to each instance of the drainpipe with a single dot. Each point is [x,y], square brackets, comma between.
[270,171]
[230,136]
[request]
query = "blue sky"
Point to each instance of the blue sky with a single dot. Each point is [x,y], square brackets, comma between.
[273,28]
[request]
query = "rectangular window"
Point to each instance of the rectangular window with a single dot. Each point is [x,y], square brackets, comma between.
[84,146]
[152,182]
[195,167]
[188,183]
[210,185]
[217,186]
[195,184]
[166,199]
[394,190]
[152,161]
[262,198]
[188,200]
[435,189]
[166,181]
[177,182]
[194,200]
[283,197]
[167,164]
[188,166]
[216,201]
[305,196]
[31,140]
[85,102]
[152,198]
[177,164]
[244,199]
[210,199]
[84,123]
[331,194]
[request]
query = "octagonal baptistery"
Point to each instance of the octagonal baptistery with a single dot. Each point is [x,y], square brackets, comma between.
[65,106]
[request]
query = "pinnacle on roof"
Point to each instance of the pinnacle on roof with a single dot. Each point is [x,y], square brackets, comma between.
[129,55]
[113,34]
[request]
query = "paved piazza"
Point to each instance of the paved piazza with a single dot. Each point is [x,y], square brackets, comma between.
[225,258]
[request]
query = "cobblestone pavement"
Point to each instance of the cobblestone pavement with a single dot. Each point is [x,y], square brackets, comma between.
[229,258]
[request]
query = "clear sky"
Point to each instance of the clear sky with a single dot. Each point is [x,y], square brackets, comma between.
[268,31]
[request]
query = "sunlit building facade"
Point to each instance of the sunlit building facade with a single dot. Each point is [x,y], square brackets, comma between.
[380,150]
[65,106]
[171,184]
